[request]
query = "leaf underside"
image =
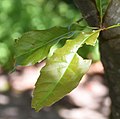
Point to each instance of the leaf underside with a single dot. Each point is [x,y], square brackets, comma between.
[34,46]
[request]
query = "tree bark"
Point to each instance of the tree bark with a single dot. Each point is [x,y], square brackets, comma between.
[89,11]
[109,48]
[110,55]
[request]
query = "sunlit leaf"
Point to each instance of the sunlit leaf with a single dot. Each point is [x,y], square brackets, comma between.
[62,73]
[91,38]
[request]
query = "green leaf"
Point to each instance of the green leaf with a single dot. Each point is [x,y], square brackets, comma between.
[6,58]
[89,41]
[102,7]
[62,73]
[91,37]
[34,46]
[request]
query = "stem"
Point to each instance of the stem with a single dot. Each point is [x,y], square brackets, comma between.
[113,26]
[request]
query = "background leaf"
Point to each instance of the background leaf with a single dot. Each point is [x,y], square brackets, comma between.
[61,74]
[102,7]
[5,57]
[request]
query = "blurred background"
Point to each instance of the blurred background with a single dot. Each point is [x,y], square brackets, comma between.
[19,16]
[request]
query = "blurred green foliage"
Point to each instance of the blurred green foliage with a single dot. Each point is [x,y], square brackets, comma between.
[19,16]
